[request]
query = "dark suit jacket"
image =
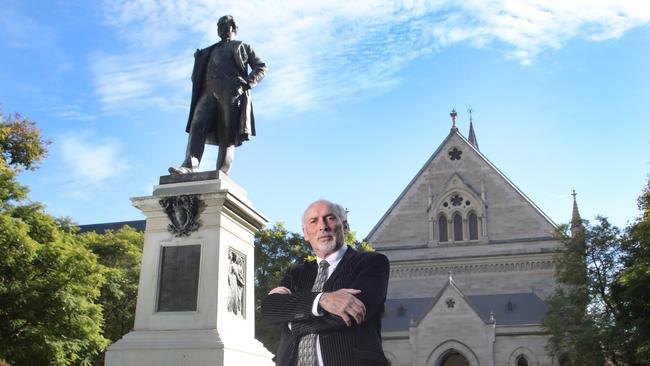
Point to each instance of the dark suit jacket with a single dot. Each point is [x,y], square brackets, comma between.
[340,345]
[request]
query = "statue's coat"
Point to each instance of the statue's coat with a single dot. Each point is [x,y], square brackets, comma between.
[244,55]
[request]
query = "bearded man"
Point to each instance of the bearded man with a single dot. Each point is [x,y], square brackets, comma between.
[330,308]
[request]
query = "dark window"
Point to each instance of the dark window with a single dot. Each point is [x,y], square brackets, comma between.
[453,358]
[456,200]
[458,227]
[442,229]
[473,226]
[454,154]
[521,361]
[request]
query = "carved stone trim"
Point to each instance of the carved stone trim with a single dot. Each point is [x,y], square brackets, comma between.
[183,213]
[439,270]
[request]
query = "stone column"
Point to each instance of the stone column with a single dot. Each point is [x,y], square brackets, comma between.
[195,297]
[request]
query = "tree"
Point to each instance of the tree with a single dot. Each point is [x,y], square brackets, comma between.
[119,253]
[632,292]
[574,334]
[48,283]
[597,315]
[276,249]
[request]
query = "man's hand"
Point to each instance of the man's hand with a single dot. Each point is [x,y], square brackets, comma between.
[280,290]
[243,83]
[344,304]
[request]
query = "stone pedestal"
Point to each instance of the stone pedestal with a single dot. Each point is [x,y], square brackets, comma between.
[195,297]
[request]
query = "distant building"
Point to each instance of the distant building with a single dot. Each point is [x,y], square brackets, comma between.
[471,264]
[101,228]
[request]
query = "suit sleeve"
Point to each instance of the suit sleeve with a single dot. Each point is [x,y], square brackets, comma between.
[371,277]
[278,308]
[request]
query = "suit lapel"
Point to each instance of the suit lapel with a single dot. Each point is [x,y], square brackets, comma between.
[308,276]
[341,268]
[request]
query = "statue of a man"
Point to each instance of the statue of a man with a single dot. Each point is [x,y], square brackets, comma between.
[221,112]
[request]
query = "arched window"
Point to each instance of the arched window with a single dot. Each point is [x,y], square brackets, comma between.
[453,358]
[473,226]
[442,229]
[458,228]
[522,361]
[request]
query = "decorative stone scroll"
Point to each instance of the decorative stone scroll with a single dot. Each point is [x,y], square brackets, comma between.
[236,282]
[183,212]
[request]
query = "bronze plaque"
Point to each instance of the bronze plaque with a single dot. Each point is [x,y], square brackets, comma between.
[179,278]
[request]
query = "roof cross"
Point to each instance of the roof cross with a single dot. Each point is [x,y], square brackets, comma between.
[453,115]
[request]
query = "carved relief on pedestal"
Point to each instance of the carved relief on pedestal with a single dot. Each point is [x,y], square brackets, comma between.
[236,282]
[183,213]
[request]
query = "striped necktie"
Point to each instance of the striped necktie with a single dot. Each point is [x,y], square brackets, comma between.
[307,345]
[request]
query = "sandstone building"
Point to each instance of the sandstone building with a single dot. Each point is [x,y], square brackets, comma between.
[471,264]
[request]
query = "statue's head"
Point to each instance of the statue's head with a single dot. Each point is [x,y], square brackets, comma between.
[227,27]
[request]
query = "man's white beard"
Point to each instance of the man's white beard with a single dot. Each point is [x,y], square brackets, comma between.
[328,247]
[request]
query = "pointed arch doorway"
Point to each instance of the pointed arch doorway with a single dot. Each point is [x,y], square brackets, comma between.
[453,358]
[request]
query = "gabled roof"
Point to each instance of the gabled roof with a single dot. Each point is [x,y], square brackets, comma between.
[454,132]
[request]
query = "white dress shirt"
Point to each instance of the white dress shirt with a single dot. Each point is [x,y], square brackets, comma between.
[333,259]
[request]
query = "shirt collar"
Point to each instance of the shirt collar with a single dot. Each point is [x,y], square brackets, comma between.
[334,258]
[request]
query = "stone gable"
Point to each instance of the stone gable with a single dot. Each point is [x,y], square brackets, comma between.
[459,172]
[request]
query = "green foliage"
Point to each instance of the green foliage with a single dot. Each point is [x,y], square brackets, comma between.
[574,335]
[598,314]
[275,250]
[119,252]
[21,147]
[48,283]
[633,290]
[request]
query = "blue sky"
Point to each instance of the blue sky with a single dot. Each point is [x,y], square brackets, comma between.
[357,98]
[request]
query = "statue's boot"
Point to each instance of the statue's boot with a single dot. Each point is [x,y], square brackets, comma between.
[184,169]
[180,170]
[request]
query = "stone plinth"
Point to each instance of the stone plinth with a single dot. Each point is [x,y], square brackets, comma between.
[195,297]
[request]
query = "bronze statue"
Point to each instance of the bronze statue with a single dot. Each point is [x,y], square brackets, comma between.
[221,112]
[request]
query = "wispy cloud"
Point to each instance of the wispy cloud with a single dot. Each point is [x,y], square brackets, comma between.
[138,80]
[90,163]
[323,52]
[70,112]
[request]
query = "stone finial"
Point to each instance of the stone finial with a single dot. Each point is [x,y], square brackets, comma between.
[451,280]
[492,320]
[453,115]
[576,220]
[472,135]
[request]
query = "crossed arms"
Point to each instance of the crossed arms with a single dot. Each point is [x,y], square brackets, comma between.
[360,297]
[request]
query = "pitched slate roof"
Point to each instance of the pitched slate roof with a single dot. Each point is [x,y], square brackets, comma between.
[101,228]
[508,309]
[511,309]
[399,312]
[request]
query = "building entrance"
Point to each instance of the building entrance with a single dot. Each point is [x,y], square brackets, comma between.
[453,358]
